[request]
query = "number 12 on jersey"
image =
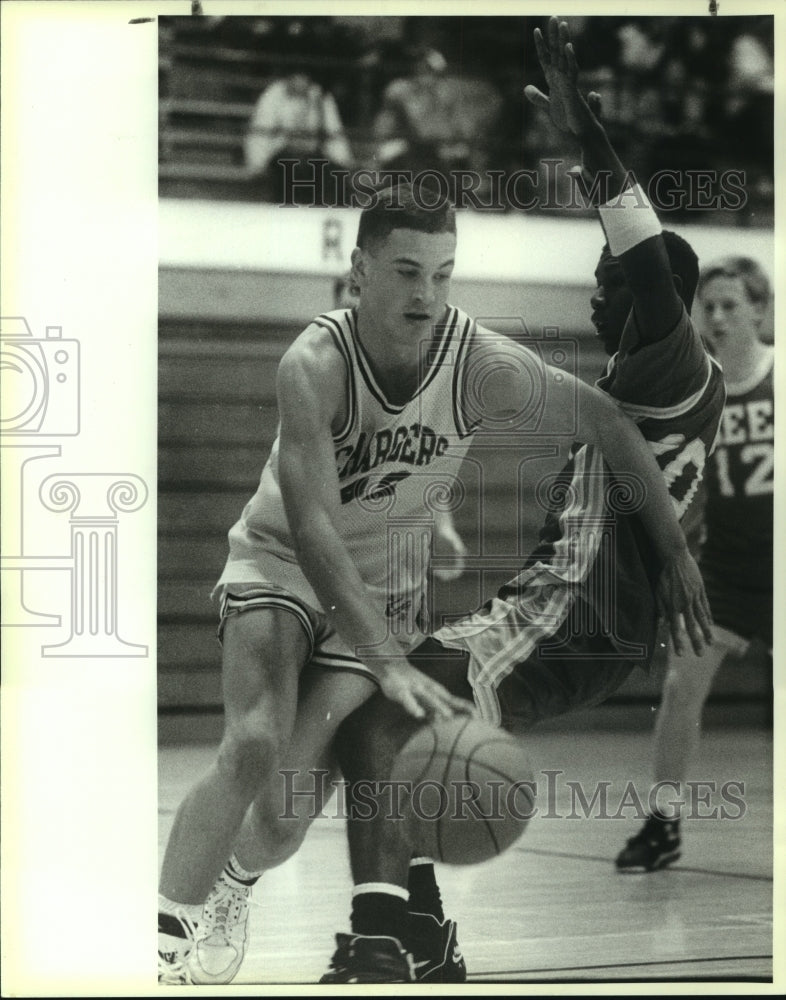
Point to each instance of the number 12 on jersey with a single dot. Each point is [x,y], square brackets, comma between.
[757,477]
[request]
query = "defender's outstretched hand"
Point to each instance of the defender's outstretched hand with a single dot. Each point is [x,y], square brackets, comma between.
[568,109]
[681,598]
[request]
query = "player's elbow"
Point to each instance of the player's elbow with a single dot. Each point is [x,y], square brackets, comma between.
[613,425]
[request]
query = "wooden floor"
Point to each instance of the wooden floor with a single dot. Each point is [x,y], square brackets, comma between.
[553,909]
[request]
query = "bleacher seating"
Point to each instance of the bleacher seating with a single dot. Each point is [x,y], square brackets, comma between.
[211,73]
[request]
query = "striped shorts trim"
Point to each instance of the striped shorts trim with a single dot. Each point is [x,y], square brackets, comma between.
[326,649]
[233,603]
[529,609]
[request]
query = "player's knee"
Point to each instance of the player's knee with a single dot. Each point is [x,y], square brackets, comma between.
[245,758]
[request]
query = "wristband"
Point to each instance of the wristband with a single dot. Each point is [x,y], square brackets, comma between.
[628,220]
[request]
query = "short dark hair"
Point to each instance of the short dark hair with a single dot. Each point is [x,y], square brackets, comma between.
[749,271]
[397,207]
[684,263]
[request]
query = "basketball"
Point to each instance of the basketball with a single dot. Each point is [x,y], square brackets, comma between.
[468,791]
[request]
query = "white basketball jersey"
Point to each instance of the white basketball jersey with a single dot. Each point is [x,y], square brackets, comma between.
[397,464]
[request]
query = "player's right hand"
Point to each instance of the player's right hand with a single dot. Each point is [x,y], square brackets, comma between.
[567,108]
[421,696]
[683,603]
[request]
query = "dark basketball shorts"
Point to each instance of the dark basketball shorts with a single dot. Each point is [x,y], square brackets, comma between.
[568,630]
[566,673]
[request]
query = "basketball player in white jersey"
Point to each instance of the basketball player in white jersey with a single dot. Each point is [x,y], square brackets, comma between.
[737,549]
[323,591]
[367,408]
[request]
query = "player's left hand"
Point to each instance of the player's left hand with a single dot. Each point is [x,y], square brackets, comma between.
[568,109]
[682,601]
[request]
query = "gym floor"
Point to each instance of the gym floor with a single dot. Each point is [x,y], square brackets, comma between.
[553,909]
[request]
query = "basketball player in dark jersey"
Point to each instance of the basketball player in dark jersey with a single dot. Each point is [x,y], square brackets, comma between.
[550,642]
[737,549]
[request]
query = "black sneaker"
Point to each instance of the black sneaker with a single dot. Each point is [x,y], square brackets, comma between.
[436,955]
[656,845]
[365,959]
[176,933]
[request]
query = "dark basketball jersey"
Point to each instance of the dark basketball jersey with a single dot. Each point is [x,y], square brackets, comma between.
[674,392]
[584,598]
[739,488]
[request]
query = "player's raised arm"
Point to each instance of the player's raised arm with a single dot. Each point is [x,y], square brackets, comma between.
[631,226]
[310,394]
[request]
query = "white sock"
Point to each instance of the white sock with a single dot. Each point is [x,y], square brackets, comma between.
[387,888]
[236,873]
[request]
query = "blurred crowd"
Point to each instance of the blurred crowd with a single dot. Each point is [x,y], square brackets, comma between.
[446,93]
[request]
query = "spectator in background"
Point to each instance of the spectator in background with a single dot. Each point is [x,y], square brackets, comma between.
[736,549]
[750,95]
[296,119]
[433,120]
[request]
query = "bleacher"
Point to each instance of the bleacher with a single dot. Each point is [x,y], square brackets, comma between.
[214,434]
[212,71]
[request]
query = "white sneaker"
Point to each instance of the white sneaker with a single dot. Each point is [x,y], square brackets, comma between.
[173,954]
[221,937]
